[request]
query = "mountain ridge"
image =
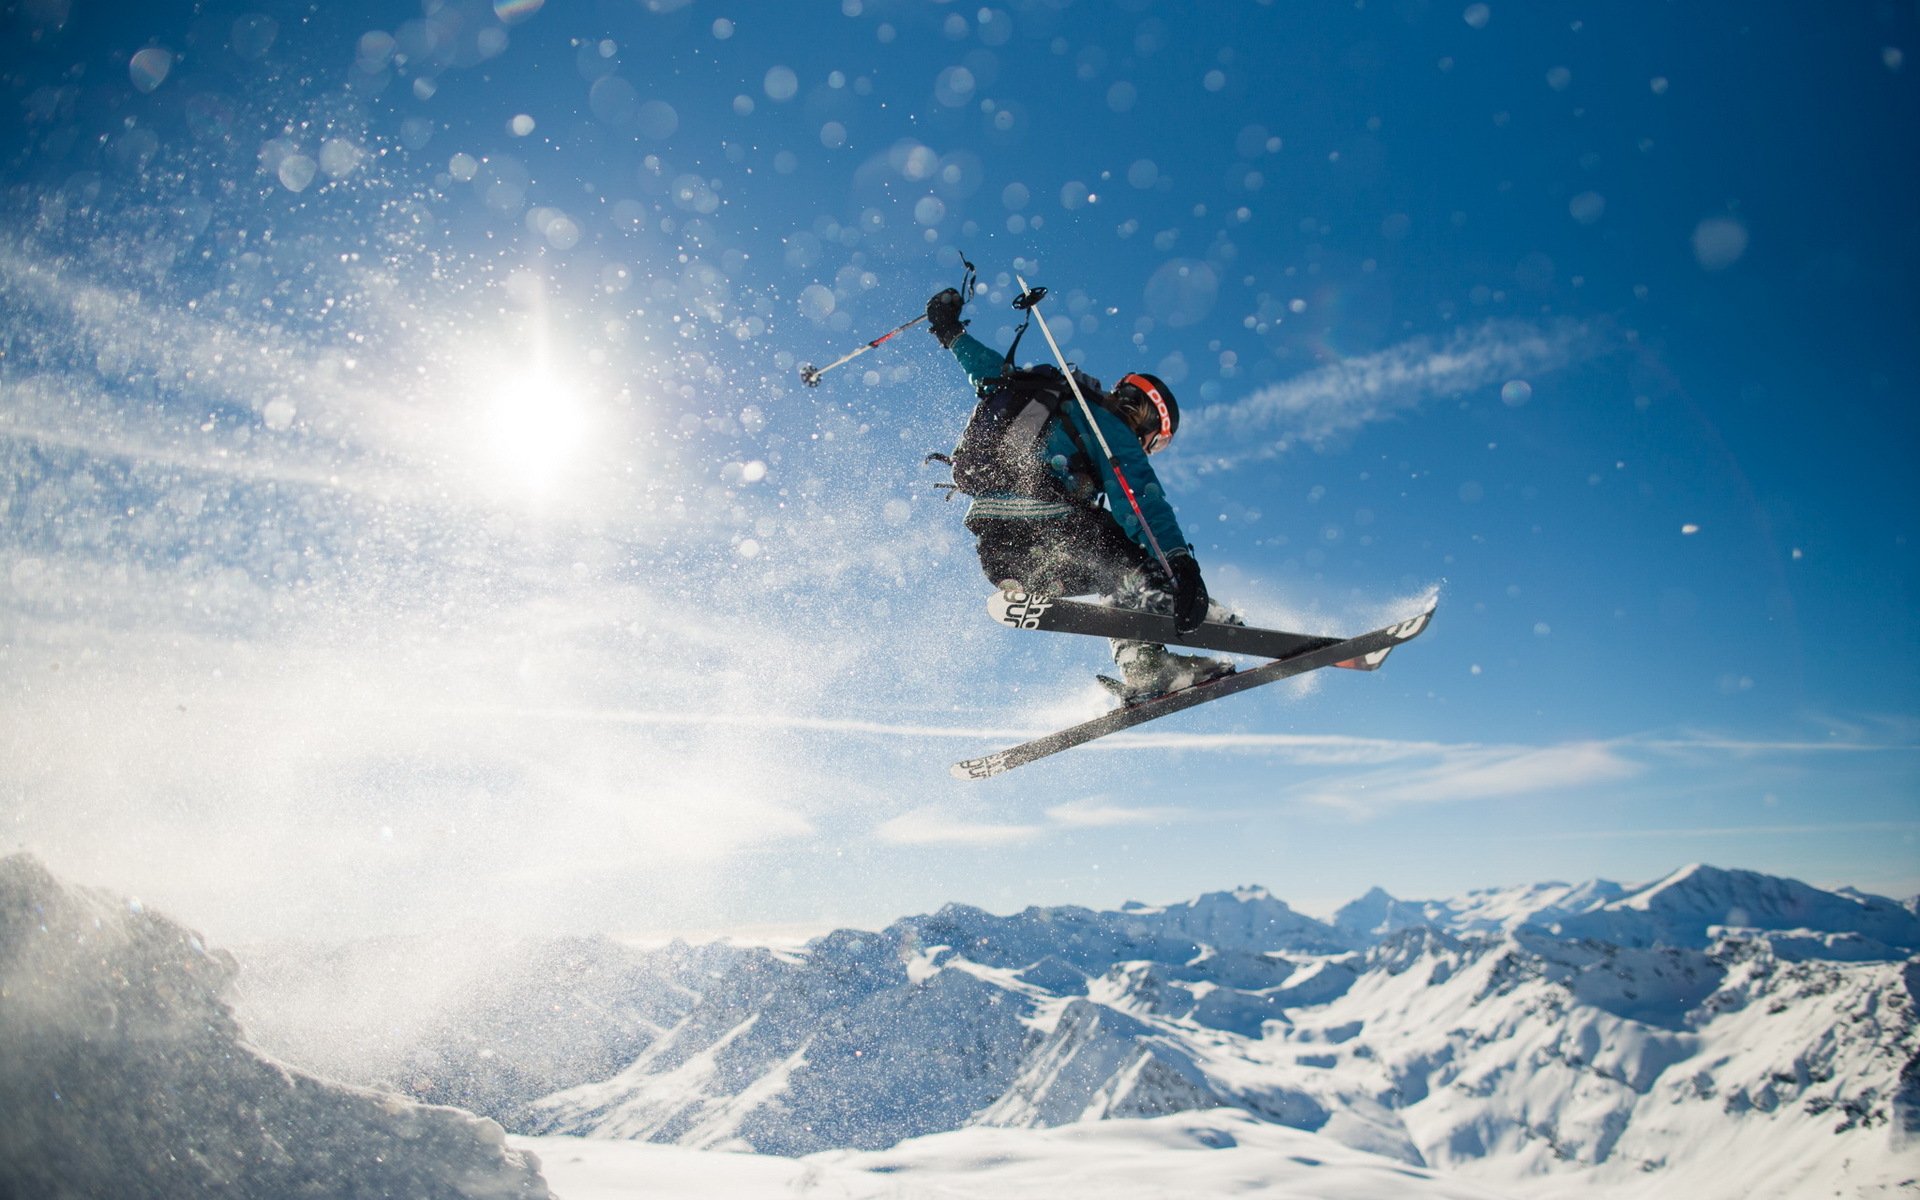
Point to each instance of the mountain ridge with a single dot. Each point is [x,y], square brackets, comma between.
[1587,1027]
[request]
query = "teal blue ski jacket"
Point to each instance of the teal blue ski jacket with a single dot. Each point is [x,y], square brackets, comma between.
[981,363]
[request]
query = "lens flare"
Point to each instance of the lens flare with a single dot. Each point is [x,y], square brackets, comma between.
[536,425]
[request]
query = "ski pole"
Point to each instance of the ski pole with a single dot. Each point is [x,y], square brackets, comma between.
[1086,410]
[810,374]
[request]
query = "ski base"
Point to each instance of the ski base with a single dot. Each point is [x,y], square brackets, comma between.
[1365,652]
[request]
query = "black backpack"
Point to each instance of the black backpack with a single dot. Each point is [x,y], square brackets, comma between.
[999,451]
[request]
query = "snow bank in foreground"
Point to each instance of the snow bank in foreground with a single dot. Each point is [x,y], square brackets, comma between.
[1219,1152]
[123,1073]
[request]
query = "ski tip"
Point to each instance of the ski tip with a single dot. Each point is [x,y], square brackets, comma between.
[1366,662]
[1405,631]
[979,768]
[1017,609]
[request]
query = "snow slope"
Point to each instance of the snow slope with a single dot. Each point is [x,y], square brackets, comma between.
[123,1073]
[1219,1152]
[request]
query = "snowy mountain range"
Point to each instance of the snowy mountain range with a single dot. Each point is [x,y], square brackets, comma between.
[1540,1030]
[1713,1033]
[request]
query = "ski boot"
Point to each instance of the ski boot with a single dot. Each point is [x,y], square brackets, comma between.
[1149,671]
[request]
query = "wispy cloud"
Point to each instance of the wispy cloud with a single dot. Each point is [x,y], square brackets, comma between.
[1345,396]
[933,826]
[1462,773]
[1720,831]
[1369,776]
[1098,812]
[930,826]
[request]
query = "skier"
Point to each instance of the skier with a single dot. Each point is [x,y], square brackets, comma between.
[1049,534]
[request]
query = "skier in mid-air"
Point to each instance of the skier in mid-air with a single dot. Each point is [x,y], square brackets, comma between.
[1042,527]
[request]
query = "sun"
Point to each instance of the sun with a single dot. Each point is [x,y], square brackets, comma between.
[537,426]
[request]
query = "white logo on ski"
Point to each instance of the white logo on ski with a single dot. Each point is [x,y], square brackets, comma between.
[981,768]
[1020,610]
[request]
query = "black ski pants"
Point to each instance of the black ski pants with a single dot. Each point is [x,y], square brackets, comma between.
[1079,554]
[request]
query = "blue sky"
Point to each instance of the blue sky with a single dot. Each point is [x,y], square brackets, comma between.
[414,515]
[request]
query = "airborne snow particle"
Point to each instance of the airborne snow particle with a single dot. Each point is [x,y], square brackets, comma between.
[560,230]
[1516,392]
[658,119]
[1588,207]
[1893,57]
[816,301]
[252,35]
[1689,529]
[1719,242]
[374,52]
[781,84]
[149,68]
[1182,291]
[1559,78]
[340,157]
[722,28]
[521,125]
[613,100]
[296,172]
[953,87]
[1477,15]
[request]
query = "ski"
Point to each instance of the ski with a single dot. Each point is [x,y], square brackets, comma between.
[1367,651]
[1021,610]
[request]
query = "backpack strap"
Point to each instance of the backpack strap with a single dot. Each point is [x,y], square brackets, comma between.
[1025,304]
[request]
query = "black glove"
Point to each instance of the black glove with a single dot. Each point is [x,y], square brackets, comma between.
[1189,594]
[943,317]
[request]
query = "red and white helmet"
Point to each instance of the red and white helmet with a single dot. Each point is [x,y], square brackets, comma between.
[1148,407]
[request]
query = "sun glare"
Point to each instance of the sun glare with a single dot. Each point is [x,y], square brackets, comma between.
[537,424]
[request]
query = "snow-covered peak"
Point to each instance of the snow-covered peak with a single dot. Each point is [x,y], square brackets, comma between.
[1481,912]
[1685,907]
[1244,920]
[1250,918]
[1376,915]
